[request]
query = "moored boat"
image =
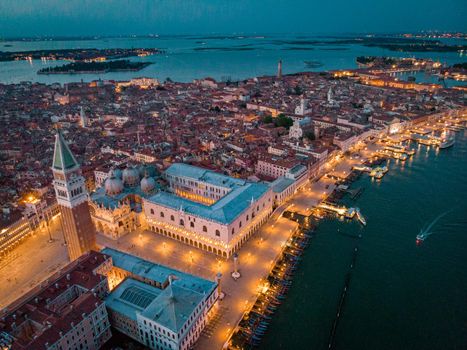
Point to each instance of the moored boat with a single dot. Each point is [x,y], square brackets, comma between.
[447,139]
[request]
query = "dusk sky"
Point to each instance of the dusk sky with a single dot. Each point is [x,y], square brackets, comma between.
[108,17]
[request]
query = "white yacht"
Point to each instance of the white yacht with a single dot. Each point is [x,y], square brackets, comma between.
[447,139]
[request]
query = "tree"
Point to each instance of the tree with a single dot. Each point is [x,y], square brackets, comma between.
[298,90]
[283,120]
[267,119]
[309,135]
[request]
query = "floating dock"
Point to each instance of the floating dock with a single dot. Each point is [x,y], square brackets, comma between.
[455,127]
[342,211]
[392,154]
[426,140]
[377,172]
[349,213]
[400,149]
[362,168]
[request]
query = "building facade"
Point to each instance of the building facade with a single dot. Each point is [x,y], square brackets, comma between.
[37,214]
[65,312]
[157,306]
[13,235]
[274,167]
[117,207]
[208,210]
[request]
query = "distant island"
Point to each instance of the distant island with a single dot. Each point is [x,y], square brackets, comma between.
[460,65]
[372,60]
[398,63]
[76,54]
[95,67]
[421,47]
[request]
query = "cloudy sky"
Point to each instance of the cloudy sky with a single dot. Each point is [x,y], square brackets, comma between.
[110,17]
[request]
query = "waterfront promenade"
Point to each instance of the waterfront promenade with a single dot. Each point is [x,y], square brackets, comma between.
[256,257]
[35,260]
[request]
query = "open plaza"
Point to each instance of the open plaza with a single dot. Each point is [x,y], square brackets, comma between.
[35,259]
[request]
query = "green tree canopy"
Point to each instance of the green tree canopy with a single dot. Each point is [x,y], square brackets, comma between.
[309,135]
[283,120]
[267,119]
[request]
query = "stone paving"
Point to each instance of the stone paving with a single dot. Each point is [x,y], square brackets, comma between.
[31,262]
[256,258]
[36,259]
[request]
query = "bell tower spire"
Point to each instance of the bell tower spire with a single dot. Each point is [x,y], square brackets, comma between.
[72,199]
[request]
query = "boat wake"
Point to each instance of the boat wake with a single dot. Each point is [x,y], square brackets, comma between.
[424,233]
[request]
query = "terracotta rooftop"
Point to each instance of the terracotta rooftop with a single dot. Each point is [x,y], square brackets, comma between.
[39,304]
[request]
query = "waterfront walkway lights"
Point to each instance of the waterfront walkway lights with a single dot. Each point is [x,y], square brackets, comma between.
[235,274]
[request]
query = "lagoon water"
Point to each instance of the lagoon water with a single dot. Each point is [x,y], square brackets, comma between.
[221,57]
[400,296]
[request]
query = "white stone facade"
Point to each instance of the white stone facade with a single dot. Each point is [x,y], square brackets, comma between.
[219,238]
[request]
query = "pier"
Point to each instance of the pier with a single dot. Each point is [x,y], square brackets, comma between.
[362,168]
[400,149]
[392,154]
[427,140]
[353,193]
[343,211]
[349,213]
[377,172]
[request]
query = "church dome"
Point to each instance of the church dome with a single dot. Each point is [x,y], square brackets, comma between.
[142,170]
[113,185]
[117,173]
[130,176]
[148,184]
[151,170]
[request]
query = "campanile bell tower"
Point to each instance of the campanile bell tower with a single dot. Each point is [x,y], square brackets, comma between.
[70,191]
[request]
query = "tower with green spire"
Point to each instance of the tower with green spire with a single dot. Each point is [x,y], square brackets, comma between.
[72,198]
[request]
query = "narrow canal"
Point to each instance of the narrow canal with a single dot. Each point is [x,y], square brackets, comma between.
[399,295]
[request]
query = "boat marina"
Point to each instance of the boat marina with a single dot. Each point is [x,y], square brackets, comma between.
[272,293]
